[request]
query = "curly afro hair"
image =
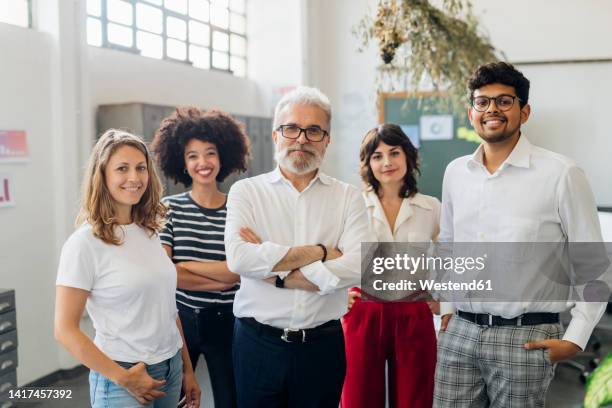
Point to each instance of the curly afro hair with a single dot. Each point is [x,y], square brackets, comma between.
[215,127]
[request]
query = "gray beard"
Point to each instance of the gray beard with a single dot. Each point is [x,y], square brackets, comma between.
[297,166]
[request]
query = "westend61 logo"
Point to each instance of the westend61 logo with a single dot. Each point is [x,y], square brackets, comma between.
[487,271]
[411,264]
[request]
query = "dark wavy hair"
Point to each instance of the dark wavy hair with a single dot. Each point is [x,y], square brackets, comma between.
[500,73]
[392,135]
[216,127]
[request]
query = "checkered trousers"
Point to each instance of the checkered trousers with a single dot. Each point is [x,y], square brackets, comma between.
[480,366]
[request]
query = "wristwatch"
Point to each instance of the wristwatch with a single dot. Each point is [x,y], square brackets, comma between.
[280,283]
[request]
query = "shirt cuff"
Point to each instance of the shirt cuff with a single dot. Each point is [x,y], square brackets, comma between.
[578,332]
[271,254]
[446,308]
[318,274]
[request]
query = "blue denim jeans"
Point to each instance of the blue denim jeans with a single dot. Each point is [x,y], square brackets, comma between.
[106,394]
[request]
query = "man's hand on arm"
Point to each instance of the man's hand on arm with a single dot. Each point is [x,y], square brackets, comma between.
[296,280]
[297,256]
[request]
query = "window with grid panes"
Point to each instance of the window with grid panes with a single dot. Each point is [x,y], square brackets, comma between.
[209,34]
[16,12]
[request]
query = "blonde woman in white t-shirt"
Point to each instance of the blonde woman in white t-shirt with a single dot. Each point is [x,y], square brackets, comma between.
[399,335]
[113,265]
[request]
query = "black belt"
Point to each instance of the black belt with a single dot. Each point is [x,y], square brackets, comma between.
[294,335]
[527,319]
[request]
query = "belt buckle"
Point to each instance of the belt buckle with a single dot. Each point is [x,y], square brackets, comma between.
[285,335]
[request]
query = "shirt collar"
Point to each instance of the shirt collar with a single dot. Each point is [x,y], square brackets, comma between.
[521,153]
[519,157]
[371,200]
[405,212]
[275,176]
[419,200]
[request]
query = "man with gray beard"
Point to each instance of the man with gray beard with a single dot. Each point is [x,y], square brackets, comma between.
[294,236]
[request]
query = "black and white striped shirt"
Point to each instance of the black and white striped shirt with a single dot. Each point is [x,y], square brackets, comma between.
[196,233]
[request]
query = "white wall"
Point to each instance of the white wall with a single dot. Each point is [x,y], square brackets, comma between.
[27,250]
[42,94]
[120,77]
[275,35]
[569,101]
[548,29]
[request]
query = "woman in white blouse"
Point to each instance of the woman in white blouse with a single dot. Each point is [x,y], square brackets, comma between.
[400,334]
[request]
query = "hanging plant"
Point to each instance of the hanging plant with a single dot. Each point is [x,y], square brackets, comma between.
[420,44]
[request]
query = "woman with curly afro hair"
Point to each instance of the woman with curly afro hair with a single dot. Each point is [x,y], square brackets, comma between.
[200,149]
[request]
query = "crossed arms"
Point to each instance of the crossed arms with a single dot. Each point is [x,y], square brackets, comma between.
[295,258]
[255,258]
[203,276]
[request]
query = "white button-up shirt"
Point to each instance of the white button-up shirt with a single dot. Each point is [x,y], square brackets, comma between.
[534,196]
[418,219]
[327,212]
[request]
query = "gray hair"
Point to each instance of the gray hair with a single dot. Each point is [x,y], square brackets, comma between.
[302,95]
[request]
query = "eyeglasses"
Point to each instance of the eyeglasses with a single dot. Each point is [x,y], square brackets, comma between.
[313,133]
[503,102]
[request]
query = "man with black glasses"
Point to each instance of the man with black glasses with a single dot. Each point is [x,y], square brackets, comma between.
[494,354]
[294,235]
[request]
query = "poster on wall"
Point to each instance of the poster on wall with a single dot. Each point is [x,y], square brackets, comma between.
[13,146]
[6,193]
[436,127]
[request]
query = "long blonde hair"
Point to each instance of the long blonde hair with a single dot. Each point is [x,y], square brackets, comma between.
[97,204]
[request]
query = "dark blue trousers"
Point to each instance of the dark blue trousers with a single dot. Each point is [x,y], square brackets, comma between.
[210,331]
[271,373]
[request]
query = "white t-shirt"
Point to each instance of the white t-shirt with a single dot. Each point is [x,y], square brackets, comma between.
[132,301]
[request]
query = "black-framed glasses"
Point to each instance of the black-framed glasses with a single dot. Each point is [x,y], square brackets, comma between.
[503,102]
[313,133]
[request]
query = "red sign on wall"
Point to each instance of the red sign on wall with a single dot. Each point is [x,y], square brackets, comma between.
[13,147]
[6,195]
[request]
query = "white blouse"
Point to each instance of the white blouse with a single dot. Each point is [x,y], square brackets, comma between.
[418,219]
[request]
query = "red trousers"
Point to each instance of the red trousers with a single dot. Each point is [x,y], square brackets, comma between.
[401,334]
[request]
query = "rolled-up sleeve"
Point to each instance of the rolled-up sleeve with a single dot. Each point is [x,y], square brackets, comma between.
[344,271]
[244,258]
